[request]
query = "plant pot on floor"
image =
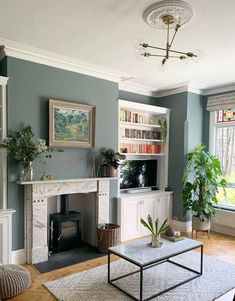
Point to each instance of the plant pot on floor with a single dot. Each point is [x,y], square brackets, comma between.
[199,225]
[111,171]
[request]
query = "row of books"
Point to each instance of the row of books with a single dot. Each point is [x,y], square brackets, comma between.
[129,116]
[140,148]
[140,134]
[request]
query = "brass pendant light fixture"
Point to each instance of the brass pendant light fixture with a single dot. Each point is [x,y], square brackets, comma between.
[167,14]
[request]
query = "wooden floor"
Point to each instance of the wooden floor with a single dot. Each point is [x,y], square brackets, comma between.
[218,245]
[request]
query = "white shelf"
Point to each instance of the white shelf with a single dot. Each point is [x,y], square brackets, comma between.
[141,154]
[142,140]
[131,124]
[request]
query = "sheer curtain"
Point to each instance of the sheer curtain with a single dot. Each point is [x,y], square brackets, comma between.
[225,150]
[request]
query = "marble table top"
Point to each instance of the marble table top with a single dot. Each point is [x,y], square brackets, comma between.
[141,254]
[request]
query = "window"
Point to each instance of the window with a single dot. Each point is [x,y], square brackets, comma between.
[222,144]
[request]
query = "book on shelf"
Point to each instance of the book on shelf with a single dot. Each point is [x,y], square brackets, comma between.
[140,134]
[140,148]
[132,117]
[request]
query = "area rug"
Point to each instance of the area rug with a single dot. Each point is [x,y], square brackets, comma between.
[91,285]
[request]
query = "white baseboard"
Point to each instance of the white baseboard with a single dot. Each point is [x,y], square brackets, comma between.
[223,229]
[19,256]
[181,226]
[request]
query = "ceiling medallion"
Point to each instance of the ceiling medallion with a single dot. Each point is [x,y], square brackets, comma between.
[167,14]
[180,11]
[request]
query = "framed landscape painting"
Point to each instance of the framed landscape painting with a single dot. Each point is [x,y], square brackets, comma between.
[71,124]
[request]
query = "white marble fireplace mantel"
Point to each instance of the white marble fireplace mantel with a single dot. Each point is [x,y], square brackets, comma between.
[36,198]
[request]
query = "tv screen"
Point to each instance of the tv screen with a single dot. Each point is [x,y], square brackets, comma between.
[138,173]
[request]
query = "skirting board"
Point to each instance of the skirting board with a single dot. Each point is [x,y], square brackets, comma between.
[19,256]
[181,226]
[223,229]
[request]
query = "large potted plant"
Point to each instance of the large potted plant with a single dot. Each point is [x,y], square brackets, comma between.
[111,160]
[201,180]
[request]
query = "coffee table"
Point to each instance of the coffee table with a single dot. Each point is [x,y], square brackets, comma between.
[145,257]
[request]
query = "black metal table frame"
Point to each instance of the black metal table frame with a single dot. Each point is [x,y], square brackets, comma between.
[150,265]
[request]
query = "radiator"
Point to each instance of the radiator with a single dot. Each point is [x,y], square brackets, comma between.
[224,222]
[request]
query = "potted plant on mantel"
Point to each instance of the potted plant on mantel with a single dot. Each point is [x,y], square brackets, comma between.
[111,160]
[200,186]
[25,148]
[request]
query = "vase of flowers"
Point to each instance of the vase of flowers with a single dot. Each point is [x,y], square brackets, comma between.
[25,148]
[26,172]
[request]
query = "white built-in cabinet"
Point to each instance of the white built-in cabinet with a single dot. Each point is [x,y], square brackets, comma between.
[133,207]
[5,214]
[3,153]
[140,137]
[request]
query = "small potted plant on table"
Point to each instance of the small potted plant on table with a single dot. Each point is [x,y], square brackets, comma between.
[155,230]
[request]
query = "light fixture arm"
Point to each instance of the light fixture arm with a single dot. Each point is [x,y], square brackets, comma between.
[176,30]
[189,54]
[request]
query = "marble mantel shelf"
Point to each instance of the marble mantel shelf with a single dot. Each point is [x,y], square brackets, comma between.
[67,180]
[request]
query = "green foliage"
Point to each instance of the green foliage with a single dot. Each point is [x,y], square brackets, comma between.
[25,147]
[153,227]
[163,124]
[111,158]
[201,182]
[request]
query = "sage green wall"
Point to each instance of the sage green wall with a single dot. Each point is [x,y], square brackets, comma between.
[178,105]
[186,131]
[3,67]
[29,88]
[148,100]
[194,121]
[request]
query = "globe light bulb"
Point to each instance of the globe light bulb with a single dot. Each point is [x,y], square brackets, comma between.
[185,59]
[162,67]
[140,51]
[199,56]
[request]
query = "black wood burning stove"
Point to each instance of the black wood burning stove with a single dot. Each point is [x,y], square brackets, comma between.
[65,228]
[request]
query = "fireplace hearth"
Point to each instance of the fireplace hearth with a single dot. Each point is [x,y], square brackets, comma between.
[65,228]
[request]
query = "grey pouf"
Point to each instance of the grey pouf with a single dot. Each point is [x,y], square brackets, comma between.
[14,279]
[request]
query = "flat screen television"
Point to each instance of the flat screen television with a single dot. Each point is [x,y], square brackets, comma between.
[138,173]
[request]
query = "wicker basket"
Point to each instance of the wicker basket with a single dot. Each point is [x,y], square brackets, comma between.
[108,237]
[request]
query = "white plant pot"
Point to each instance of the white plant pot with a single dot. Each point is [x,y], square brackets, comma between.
[201,226]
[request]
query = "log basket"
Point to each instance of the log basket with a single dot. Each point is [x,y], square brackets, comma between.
[108,236]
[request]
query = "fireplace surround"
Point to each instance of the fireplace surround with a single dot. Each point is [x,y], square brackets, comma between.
[37,195]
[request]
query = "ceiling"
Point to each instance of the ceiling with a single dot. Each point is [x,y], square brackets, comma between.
[102,32]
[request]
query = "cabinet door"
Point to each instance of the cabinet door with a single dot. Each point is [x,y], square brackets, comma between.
[162,208]
[167,207]
[158,209]
[131,219]
[147,207]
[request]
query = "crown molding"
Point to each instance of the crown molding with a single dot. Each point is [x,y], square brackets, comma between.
[180,88]
[169,90]
[125,80]
[40,56]
[137,88]
[219,89]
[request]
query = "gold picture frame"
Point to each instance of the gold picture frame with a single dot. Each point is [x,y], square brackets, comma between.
[71,124]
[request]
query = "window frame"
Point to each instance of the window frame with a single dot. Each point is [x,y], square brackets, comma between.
[212,136]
